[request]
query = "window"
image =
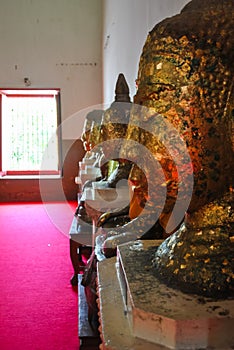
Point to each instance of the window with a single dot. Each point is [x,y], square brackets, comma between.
[30,140]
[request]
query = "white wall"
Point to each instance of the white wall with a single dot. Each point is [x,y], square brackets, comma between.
[56,43]
[60,44]
[126,25]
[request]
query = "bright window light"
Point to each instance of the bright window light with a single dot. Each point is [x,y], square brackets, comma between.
[29,130]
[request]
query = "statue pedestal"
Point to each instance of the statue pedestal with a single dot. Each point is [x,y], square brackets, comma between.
[90,173]
[101,200]
[164,316]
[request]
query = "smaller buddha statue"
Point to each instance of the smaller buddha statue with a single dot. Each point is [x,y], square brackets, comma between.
[85,136]
[113,128]
[103,134]
[113,132]
[89,137]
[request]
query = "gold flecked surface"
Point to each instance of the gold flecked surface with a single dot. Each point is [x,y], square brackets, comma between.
[186,74]
[201,253]
[91,125]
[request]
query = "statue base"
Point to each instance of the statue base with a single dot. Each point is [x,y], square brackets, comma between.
[165,316]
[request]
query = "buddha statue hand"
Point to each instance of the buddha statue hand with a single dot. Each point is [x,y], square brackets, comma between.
[110,244]
[102,235]
[114,239]
[104,218]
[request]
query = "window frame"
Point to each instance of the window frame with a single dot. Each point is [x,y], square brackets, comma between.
[59,132]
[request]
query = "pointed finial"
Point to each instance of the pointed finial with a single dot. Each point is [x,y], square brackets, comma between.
[121,89]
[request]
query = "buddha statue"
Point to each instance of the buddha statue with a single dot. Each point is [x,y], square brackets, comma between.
[103,133]
[89,138]
[183,116]
[92,118]
[113,131]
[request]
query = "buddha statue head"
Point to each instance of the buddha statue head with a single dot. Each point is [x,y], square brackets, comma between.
[91,129]
[115,119]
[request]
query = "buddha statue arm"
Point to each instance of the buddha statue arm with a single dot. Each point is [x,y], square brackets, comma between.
[143,227]
[112,214]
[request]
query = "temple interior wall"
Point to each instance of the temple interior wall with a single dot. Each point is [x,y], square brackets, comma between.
[125,28]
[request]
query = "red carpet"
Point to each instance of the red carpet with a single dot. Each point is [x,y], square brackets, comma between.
[38,306]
